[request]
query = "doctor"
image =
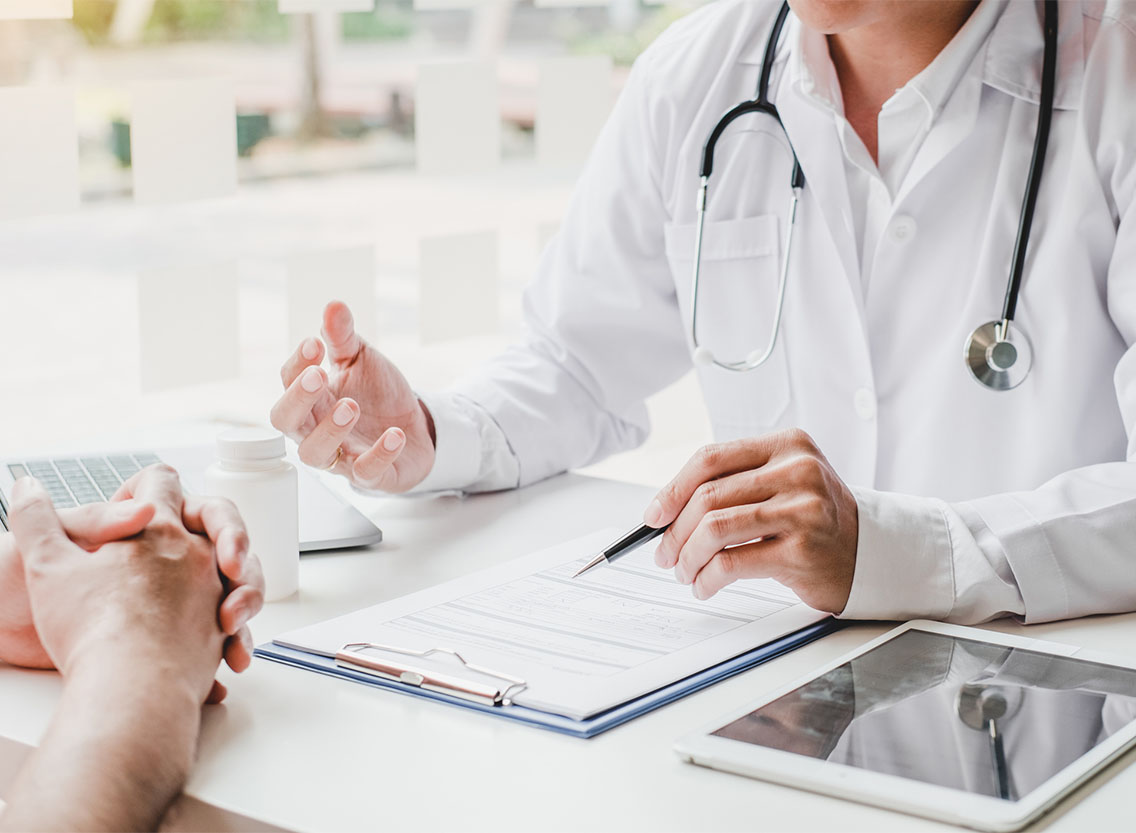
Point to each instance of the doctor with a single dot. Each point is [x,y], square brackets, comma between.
[886,473]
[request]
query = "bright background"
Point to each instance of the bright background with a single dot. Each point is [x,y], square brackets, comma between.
[411,159]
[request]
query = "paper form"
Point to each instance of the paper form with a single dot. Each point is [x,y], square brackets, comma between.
[583,645]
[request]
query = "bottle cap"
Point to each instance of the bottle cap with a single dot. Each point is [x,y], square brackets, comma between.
[250,444]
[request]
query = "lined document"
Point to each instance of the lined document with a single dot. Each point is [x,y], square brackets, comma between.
[583,645]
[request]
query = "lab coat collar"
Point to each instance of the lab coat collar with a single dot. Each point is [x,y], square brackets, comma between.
[1011,60]
[1014,56]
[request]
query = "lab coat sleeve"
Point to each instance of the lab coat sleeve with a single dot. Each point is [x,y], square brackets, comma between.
[1064,550]
[471,451]
[1067,548]
[601,327]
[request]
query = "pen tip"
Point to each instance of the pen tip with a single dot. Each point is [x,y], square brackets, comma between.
[595,562]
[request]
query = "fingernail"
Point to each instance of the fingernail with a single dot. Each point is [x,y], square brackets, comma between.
[698,593]
[310,349]
[392,440]
[654,514]
[343,414]
[311,380]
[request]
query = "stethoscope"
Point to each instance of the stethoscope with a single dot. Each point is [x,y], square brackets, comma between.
[997,354]
[981,707]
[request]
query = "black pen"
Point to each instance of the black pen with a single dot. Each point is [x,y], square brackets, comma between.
[633,539]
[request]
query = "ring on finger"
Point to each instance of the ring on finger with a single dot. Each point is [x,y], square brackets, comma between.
[335,460]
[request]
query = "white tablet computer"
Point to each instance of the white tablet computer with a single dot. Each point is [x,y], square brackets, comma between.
[957,724]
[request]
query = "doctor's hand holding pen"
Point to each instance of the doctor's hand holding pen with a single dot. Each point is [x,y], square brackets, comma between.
[762,507]
[390,447]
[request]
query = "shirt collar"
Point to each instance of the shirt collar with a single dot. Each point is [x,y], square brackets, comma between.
[1010,30]
[939,78]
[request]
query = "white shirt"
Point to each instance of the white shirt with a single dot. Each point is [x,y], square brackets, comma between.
[972,503]
[902,125]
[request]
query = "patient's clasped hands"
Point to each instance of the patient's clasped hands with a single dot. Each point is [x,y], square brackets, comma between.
[389,446]
[151,577]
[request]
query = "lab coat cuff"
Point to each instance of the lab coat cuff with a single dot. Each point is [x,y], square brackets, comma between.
[457,447]
[903,559]
[1033,563]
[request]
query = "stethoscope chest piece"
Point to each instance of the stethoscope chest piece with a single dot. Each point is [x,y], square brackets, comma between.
[998,363]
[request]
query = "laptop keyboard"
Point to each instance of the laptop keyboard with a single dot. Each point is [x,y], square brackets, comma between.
[76,481]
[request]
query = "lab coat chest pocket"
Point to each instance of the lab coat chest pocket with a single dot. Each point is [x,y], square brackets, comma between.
[737,303]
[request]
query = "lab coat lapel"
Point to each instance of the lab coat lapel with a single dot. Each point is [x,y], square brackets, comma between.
[813,134]
[950,129]
[1010,62]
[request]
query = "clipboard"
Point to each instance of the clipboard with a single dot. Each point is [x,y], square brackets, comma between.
[491,691]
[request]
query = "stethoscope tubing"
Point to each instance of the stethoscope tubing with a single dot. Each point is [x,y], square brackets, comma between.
[1037,161]
[995,376]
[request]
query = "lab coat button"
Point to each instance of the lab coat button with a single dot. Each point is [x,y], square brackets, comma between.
[864,401]
[902,228]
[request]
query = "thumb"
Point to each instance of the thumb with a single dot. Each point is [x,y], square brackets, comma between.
[96,524]
[343,343]
[38,530]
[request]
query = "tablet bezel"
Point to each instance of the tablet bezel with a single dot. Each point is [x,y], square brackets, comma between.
[893,792]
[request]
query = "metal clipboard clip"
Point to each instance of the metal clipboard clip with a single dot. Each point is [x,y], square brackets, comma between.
[497,690]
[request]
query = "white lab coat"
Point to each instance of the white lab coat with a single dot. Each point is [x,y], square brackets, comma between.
[972,503]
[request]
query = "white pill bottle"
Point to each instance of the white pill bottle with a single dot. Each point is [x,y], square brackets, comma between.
[251,472]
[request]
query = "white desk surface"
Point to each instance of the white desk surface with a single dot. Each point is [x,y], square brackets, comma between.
[309,753]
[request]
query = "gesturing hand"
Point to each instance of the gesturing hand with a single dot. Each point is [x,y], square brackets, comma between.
[364,422]
[767,507]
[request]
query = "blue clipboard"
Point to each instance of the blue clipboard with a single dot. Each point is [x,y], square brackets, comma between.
[588,728]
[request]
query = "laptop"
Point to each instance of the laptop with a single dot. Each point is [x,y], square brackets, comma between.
[326,521]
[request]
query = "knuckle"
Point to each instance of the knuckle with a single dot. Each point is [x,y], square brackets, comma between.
[670,496]
[799,438]
[710,456]
[255,575]
[816,510]
[808,471]
[225,506]
[166,528]
[728,562]
[706,495]
[240,536]
[27,502]
[719,524]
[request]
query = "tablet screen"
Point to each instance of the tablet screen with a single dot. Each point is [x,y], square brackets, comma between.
[959,713]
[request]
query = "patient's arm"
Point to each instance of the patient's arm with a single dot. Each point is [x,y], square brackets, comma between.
[116,754]
[133,628]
